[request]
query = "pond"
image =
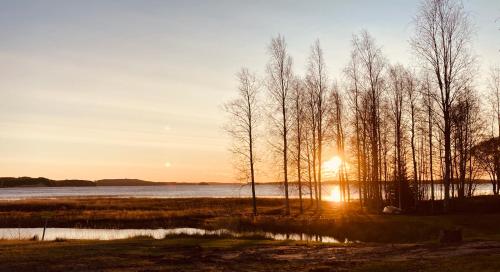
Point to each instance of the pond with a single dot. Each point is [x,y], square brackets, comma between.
[114,234]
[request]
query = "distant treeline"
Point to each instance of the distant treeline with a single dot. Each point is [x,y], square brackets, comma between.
[45,182]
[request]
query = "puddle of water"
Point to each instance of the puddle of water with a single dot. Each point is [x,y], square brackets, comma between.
[113,234]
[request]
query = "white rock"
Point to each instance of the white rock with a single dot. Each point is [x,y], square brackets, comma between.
[392,210]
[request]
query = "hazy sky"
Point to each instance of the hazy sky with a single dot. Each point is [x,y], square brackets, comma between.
[112,89]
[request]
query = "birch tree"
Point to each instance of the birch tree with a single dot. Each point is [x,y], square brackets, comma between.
[317,79]
[242,125]
[442,41]
[372,66]
[279,79]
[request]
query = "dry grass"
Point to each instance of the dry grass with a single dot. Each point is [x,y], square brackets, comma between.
[136,212]
[336,220]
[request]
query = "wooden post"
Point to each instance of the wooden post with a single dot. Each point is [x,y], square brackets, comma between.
[44,227]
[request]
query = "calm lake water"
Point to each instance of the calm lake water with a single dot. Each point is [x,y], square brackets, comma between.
[163,191]
[330,192]
[113,234]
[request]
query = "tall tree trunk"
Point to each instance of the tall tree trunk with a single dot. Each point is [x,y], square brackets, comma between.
[299,139]
[431,172]
[314,169]
[447,160]
[358,151]
[254,199]
[320,159]
[375,156]
[413,152]
[310,178]
[285,157]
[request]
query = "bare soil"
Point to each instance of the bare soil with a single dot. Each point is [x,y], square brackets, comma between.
[203,254]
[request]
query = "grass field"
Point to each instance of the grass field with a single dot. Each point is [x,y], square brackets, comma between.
[388,242]
[336,220]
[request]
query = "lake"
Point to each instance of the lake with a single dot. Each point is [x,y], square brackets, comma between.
[113,234]
[330,192]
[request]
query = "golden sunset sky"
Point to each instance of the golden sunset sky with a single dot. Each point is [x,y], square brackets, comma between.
[114,89]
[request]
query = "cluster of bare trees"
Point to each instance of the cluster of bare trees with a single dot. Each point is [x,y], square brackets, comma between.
[404,134]
[299,117]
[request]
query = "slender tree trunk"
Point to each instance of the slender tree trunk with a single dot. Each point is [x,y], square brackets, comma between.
[413,153]
[309,174]
[320,159]
[314,169]
[375,150]
[431,172]
[254,199]
[358,149]
[285,157]
[447,160]
[299,139]
[358,158]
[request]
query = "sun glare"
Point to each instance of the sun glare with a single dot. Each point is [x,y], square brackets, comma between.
[334,195]
[332,166]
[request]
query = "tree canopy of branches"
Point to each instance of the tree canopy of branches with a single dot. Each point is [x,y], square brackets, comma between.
[403,134]
[316,80]
[371,65]
[442,41]
[279,80]
[244,116]
[488,154]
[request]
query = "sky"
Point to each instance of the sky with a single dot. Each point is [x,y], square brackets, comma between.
[115,89]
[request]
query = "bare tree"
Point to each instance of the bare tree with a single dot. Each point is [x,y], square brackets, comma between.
[337,122]
[316,79]
[309,138]
[372,66]
[243,116]
[466,133]
[279,78]
[488,155]
[299,108]
[310,115]
[429,104]
[412,95]
[397,79]
[385,146]
[354,82]
[442,41]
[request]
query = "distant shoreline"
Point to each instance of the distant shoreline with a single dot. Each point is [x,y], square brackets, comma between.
[29,182]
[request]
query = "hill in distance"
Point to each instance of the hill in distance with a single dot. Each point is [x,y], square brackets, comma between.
[126,182]
[41,182]
[6,182]
[45,182]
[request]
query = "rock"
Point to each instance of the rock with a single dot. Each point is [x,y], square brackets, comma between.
[392,210]
[450,236]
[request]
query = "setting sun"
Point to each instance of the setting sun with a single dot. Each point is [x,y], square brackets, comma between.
[334,195]
[332,166]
